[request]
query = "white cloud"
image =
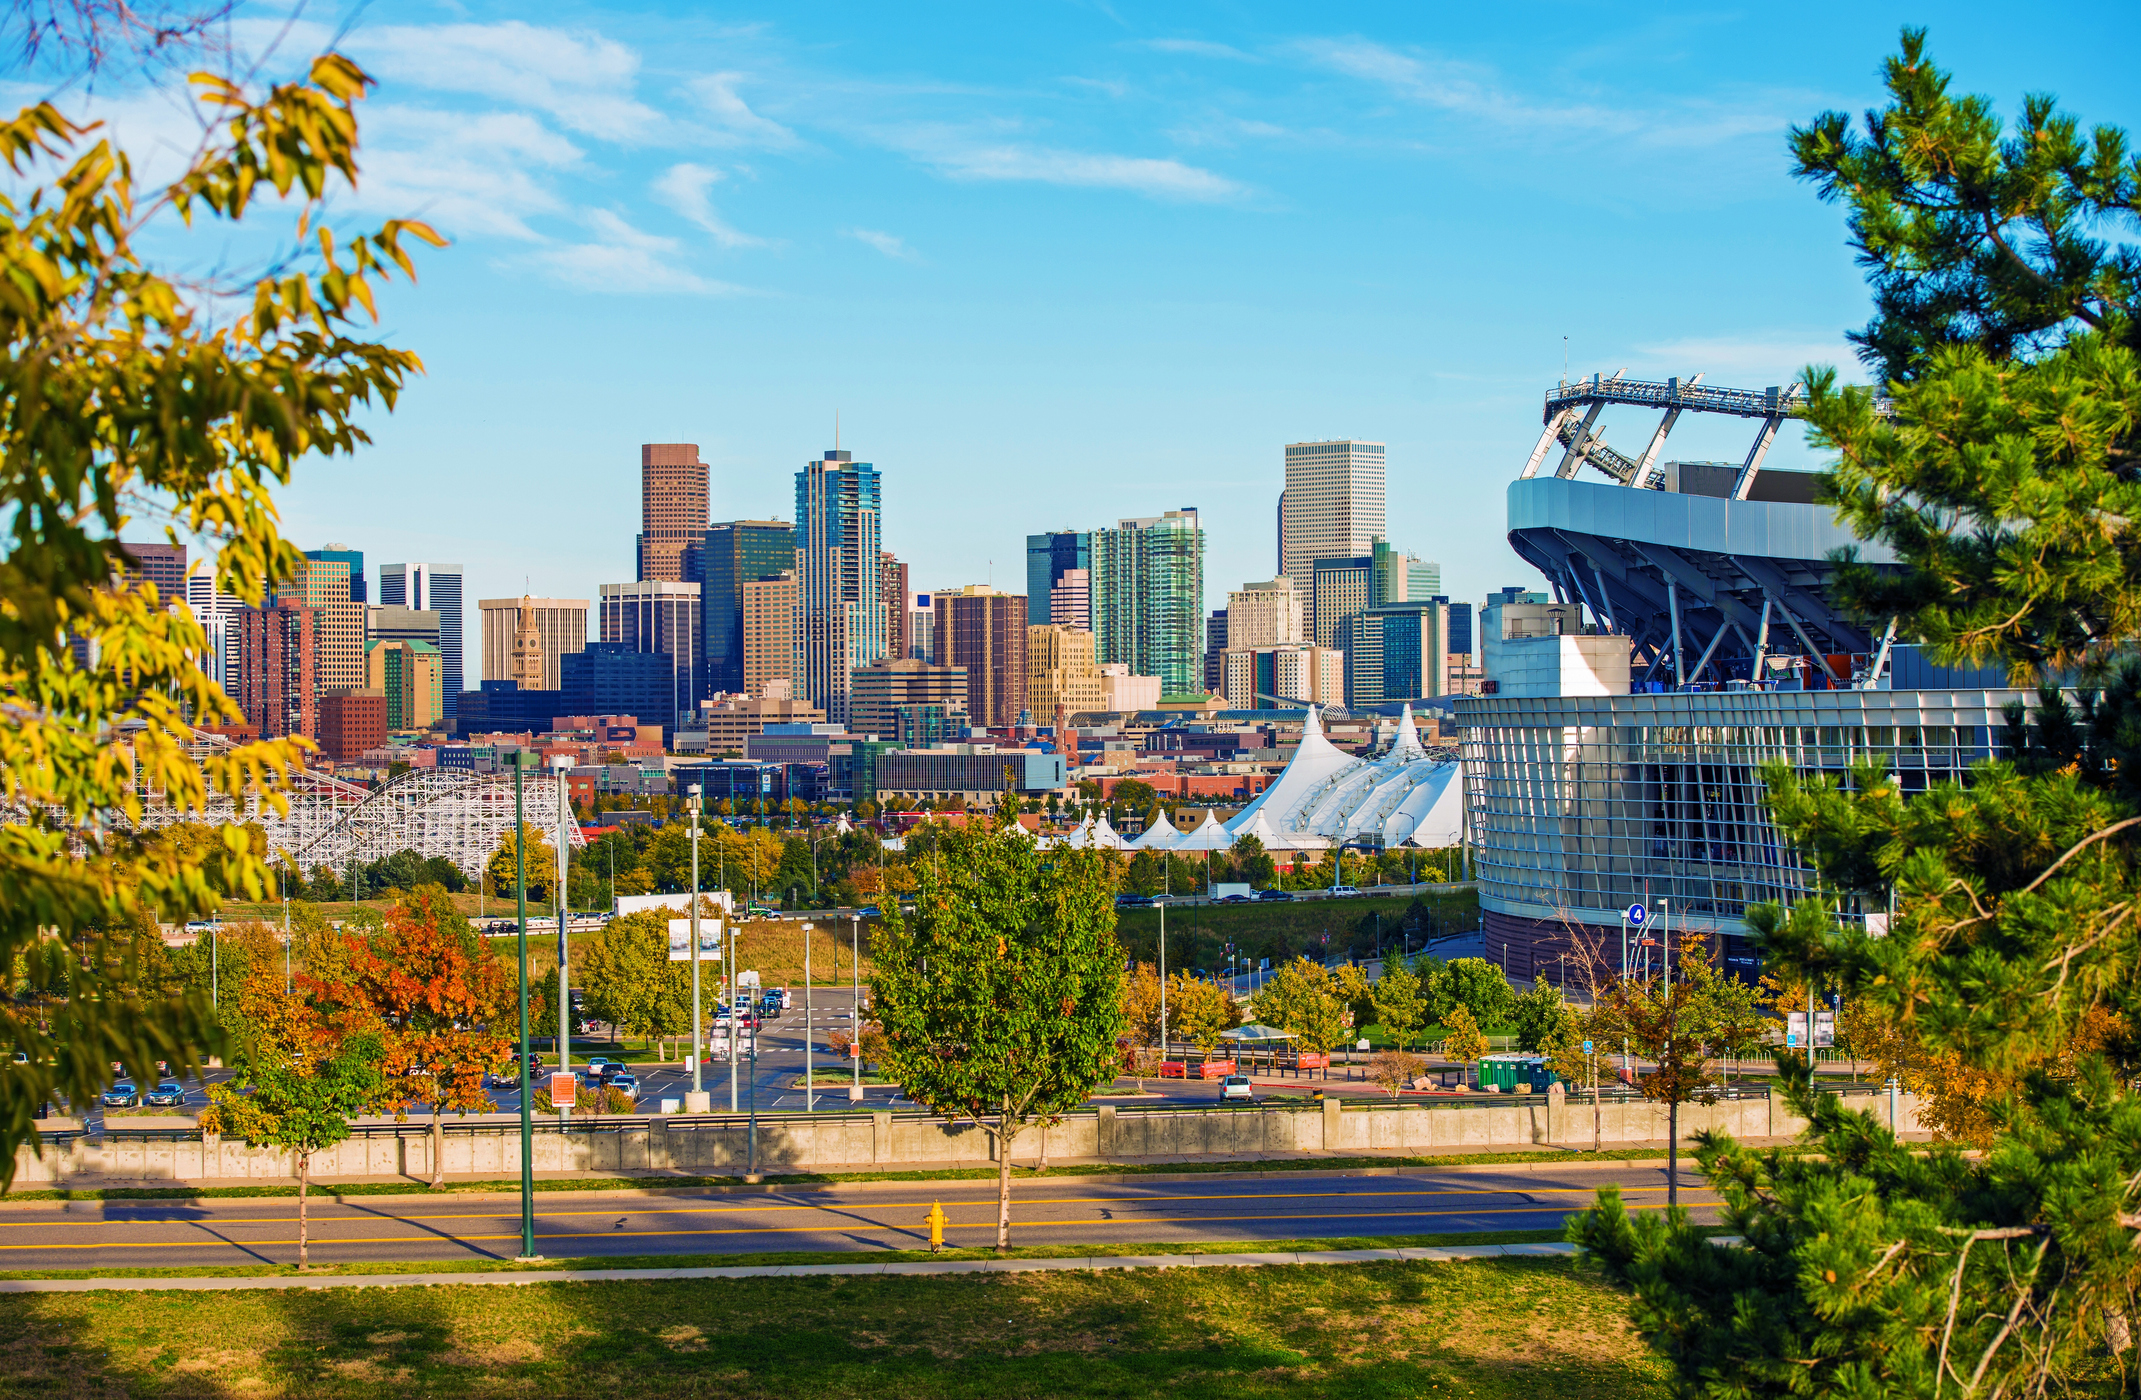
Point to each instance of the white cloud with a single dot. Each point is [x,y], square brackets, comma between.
[717,93]
[1773,357]
[580,79]
[1198,48]
[959,157]
[463,174]
[891,245]
[624,259]
[683,188]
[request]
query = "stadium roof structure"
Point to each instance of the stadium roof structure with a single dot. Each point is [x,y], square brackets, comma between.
[1714,567]
[1327,796]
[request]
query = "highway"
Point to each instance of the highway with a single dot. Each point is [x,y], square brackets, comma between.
[862,1217]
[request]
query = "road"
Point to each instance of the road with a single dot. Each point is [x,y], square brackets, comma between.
[862,1217]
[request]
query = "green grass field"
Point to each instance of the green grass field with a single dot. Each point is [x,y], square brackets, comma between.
[1492,1328]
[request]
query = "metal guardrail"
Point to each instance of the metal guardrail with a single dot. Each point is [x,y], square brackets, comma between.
[1673,393]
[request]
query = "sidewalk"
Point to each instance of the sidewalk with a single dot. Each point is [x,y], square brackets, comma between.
[516,1278]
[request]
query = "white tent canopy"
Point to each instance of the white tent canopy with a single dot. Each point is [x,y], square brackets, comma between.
[1158,837]
[1209,837]
[1326,796]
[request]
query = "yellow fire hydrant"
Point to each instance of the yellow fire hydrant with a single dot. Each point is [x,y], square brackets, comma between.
[936,1227]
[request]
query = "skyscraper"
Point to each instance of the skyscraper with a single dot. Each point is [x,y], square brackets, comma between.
[892,594]
[1148,598]
[1048,558]
[1264,615]
[352,557]
[1061,673]
[437,588]
[1341,587]
[217,612]
[1215,652]
[840,616]
[161,564]
[560,625]
[276,688]
[729,555]
[985,632]
[768,632]
[1332,507]
[672,508]
[1071,604]
[323,585]
[661,618]
[408,675]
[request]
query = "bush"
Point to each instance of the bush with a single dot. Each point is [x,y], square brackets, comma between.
[1395,1069]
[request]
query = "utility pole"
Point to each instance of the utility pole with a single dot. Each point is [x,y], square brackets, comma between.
[855,1094]
[698,1102]
[810,1084]
[1163,983]
[527,1076]
[564,768]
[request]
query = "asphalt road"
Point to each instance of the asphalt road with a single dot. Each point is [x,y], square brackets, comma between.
[862,1217]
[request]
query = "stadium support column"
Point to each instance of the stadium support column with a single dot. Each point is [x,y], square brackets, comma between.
[1672,602]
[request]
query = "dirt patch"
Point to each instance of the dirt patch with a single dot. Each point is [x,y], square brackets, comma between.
[683,1337]
[513,1351]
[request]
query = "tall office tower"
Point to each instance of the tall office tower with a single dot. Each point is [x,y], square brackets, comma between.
[907,701]
[385,624]
[1148,598]
[892,590]
[277,690]
[1264,615]
[768,631]
[1264,678]
[729,555]
[1342,587]
[352,557]
[1048,558]
[1395,651]
[217,612]
[560,627]
[1061,673]
[839,615]
[409,675]
[1215,652]
[434,588]
[672,508]
[338,646]
[161,564]
[921,626]
[1423,578]
[985,632]
[1070,604]
[1332,508]
[662,618]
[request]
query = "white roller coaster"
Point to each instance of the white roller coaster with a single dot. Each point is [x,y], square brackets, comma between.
[460,815]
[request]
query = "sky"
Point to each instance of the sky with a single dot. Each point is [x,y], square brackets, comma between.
[1054,264]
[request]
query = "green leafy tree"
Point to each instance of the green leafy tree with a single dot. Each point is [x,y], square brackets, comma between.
[1540,1015]
[1253,863]
[1302,997]
[2005,484]
[622,969]
[1001,997]
[1199,1012]
[501,871]
[126,393]
[1400,1009]
[1462,1041]
[1479,986]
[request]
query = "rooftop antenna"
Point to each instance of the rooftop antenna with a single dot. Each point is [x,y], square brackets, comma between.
[836,430]
[1564,360]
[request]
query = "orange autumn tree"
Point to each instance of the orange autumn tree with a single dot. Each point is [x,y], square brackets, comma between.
[438,998]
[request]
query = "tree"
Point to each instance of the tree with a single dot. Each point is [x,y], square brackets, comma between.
[502,870]
[1253,863]
[1199,1011]
[2005,484]
[1302,997]
[1479,986]
[1540,1015]
[1399,1008]
[1661,1022]
[1462,1040]
[1395,1069]
[624,970]
[300,1079]
[441,999]
[1141,1004]
[1001,998]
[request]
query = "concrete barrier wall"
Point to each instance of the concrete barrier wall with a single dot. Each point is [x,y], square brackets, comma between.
[491,1146]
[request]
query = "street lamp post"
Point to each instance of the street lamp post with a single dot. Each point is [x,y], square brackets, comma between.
[563,764]
[698,1037]
[810,1084]
[1163,983]
[527,1075]
[855,1094]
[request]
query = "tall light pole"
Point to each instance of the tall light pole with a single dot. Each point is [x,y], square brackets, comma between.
[1163,984]
[698,1054]
[855,923]
[810,1083]
[563,764]
[527,1076]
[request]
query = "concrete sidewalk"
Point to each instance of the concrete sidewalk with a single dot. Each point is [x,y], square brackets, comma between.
[950,1266]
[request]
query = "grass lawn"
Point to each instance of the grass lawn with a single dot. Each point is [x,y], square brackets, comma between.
[1514,1327]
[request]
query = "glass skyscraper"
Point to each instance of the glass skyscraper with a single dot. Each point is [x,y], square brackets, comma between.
[839,613]
[1048,558]
[431,588]
[1148,598]
[731,554]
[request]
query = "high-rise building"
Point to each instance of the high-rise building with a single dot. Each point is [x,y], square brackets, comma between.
[614,678]
[731,554]
[277,690]
[352,723]
[1332,508]
[411,678]
[217,613]
[840,616]
[1395,651]
[161,564]
[1061,674]
[985,632]
[672,508]
[560,626]
[529,671]
[1048,558]
[1148,598]
[338,647]
[921,626]
[1264,615]
[1070,603]
[892,590]
[1423,578]
[352,557]
[660,617]
[768,631]
[1267,678]
[389,624]
[1215,652]
[1342,587]
[882,689]
[432,588]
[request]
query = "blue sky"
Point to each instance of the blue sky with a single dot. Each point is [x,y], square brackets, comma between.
[1054,264]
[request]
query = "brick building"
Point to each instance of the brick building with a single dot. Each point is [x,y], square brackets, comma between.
[277,688]
[353,723]
[985,632]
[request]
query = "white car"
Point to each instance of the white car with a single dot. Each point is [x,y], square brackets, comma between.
[1237,1086]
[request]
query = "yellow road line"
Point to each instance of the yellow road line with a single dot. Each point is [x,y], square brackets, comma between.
[508,1213]
[846,1228]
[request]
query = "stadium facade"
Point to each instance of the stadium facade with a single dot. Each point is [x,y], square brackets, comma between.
[1622,766]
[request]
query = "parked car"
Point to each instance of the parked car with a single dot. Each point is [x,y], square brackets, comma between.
[121,1095]
[1237,1086]
[787,999]
[1274,896]
[601,1065]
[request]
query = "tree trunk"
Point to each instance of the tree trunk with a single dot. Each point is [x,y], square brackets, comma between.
[1044,1145]
[1672,1155]
[1003,1184]
[438,1150]
[304,1183]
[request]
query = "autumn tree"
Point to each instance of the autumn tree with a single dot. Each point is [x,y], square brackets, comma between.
[1001,997]
[1199,1012]
[502,870]
[1303,997]
[440,1000]
[1462,1040]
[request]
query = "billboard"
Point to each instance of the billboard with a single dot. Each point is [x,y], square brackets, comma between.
[709,940]
[710,901]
